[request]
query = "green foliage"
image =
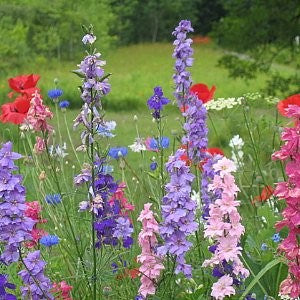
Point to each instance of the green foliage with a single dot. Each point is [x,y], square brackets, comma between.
[266,31]
[33,29]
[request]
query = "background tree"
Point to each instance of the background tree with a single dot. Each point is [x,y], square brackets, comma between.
[267,31]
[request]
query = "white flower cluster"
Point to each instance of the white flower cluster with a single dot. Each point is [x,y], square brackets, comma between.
[221,103]
[236,144]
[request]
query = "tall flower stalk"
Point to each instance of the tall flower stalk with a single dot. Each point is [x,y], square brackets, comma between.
[289,190]
[94,86]
[224,228]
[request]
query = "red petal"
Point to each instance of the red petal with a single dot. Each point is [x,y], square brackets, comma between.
[283,104]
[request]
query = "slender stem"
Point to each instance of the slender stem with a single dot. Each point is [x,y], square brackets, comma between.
[33,277]
[65,210]
[70,138]
[93,215]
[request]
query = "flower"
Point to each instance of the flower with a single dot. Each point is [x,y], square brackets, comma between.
[83,206]
[55,94]
[64,104]
[53,199]
[138,145]
[265,194]
[24,83]
[38,114]
[49,240]
[4,284]
[118,152]
[196,130]
[15,225]
[153,144]
[178,213]
[183,55]
[222,288]
[151,264]
[202,92]
[153,166]
[215,151]
[63,289]
[37,285]
[157,101]
[58,151]
[222,103]
[283,105]
[276,238]
[263,247]
[105,129]
[39,146]
[15,112]
[236,144]
[224,228]
[89,39]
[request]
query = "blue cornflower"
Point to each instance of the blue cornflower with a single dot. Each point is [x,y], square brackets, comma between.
[264,247]
[49,240]
[154,144]
[54,94]
[276,238]
[117,152]
[64,104]
[153,166]
[53,198]
[106,169]
[106,129]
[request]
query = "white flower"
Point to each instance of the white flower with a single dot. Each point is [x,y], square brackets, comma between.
[138,145]
[195,196]
[236,142]
[58,151]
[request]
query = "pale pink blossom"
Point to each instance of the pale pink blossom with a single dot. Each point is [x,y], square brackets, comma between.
[151,265]
[222,288]
[225,166]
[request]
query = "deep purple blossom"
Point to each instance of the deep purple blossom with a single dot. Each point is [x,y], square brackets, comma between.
[157,102]
[111,225]
[178,213]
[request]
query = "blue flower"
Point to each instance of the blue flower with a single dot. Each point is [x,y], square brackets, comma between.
[264,247]
[153,166]
[276,238]
[157,101]
[106,128]
[106,169]
[49,240]
[54,94]
[117,152]
[154,144]
[64,104]
[53,199]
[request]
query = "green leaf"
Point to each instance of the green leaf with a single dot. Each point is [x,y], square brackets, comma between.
[78,74]
[257,277]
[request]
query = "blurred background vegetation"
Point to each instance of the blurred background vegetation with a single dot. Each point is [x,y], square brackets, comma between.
[256,41]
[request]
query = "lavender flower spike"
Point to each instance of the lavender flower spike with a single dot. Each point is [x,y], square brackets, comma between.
[182,53]
[178,213]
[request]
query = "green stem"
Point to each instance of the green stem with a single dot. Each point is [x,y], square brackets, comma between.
[65,210]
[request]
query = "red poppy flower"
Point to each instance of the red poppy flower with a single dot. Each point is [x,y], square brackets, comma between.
[266,193]
[15,112]
[283,104]
[215,151]
[23,82]
[203,92]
